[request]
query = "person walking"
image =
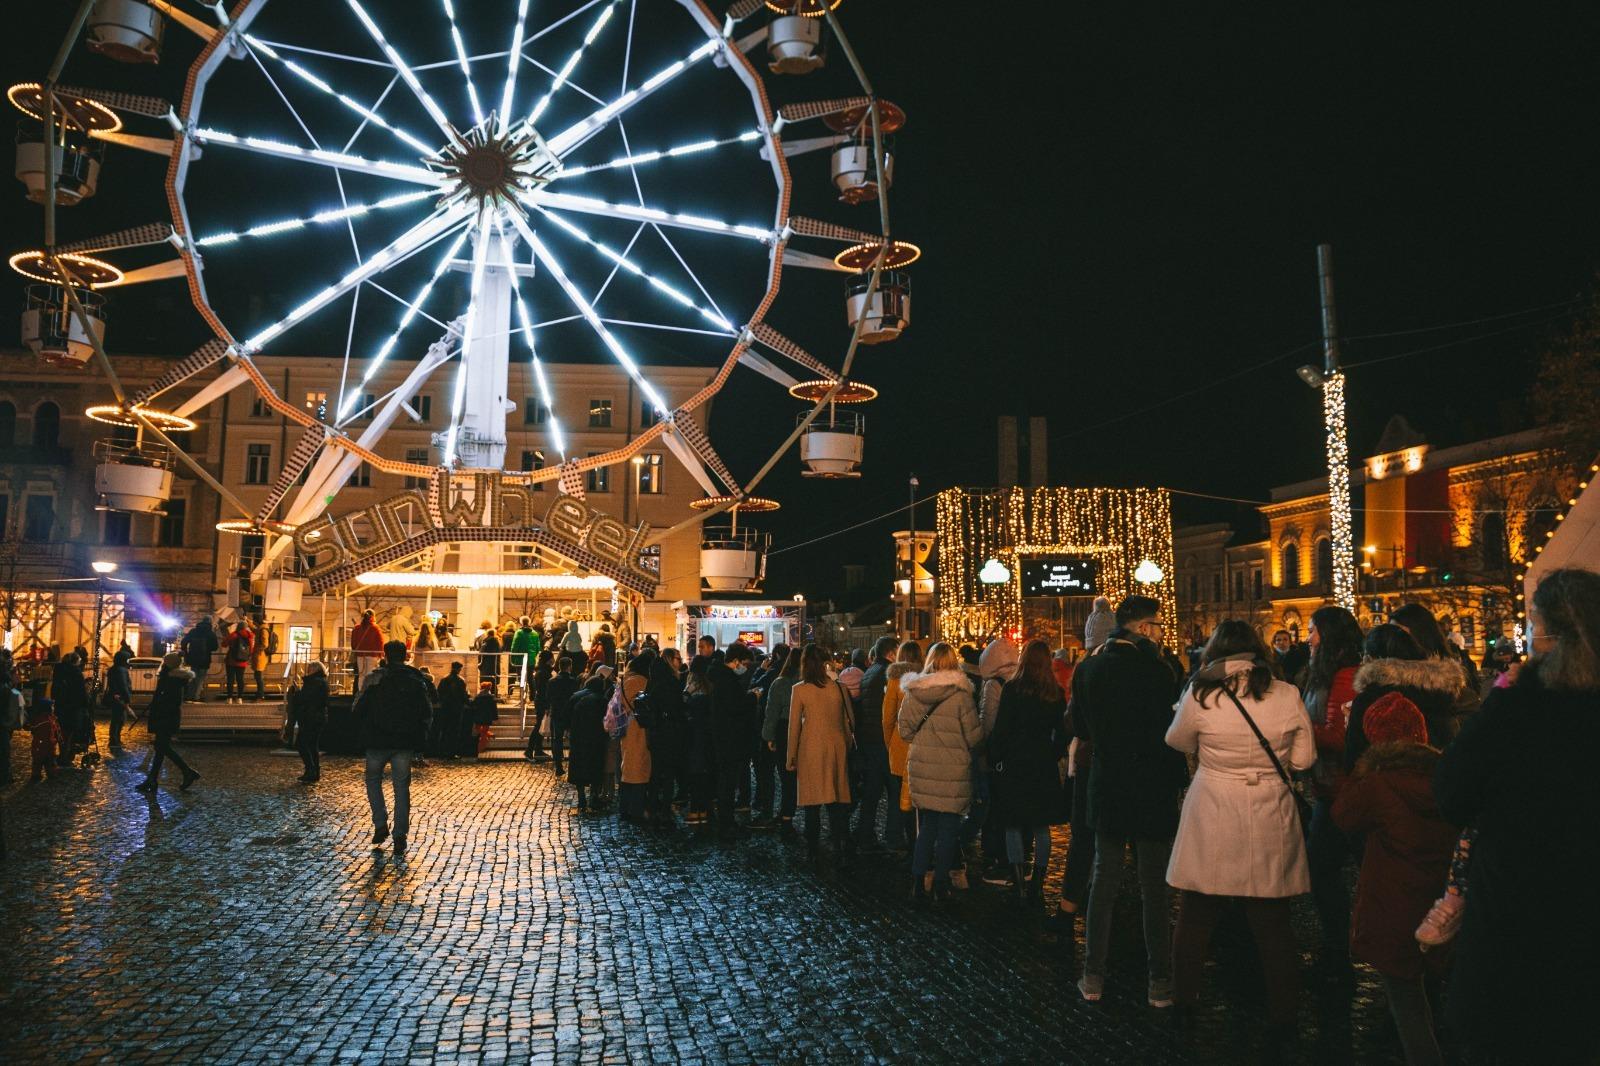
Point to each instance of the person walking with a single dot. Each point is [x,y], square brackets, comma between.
[821,734]
[448,727]
[587,767]
[1239,840]
[543,669]
[366,644]
[311,715]
[488,646]
[164,717]
[775,735]
[119,693]
[199,644]
[1388,799]
[1521,772]
[1336,648]
[563,687]
[872,754]
[938,720]
[237,648]
[45,731]
[1122,702]
[908,660]
[769,771]
[997,665]
[71,698]
[393,710]
[1025,749]
[524,652]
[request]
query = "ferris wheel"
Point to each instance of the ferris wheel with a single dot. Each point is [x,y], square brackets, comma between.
[467,195]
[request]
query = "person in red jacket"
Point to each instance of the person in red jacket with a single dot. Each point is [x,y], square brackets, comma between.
[1409,843]
[1335,639]
[366,641]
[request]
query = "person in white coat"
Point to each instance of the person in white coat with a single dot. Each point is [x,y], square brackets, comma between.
[1239,836]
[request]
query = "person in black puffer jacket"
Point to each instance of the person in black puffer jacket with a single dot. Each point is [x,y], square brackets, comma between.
[666,732]
[164,716]
[393,710]
[311,714]
[1395,662]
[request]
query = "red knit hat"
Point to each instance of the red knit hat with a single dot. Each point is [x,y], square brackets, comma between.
[1393,717]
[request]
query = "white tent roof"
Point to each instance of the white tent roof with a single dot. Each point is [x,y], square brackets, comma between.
[1577,537]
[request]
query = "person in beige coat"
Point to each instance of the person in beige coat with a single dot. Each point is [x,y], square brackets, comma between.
[821,733]
[939,721]
[634,747]
[1239,837]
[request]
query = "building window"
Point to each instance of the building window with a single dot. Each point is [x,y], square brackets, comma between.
[600,476]
[38,517]
[1216,587]
[649,474]
[534,413]
[117,528]
[367,407]
[1255,582]
[317,403]
[169,527]
[599,414]
[251,548]
[1291,566]
[533,459]
[259,408]
[361,476]
[46,425]
[422,403]
[1492,542]
[1238,586]
[1325,562]
[8,423]
[257,457]
[420,457]
[648,415]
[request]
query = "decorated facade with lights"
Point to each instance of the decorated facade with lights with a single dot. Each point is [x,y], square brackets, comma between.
[1110,542]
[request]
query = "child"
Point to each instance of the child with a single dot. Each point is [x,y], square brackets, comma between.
[1408,848]
[483,710]
[46,736]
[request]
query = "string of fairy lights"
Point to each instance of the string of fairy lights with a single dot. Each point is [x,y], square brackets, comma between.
[1125,530]
[1344,551]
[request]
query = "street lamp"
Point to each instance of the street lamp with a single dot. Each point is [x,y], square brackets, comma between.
[1148,573]
[1330,382]
[911,560]
[994,572]
[102,569]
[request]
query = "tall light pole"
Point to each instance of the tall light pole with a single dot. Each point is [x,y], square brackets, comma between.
[102,569]
[1330,379]
[911,560]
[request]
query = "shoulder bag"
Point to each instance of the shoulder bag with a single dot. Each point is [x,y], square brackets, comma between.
[1300,805]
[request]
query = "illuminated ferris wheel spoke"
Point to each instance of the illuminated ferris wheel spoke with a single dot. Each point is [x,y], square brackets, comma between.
[412,308]
[621,260]
[553,424]
[406,72]
[340,160]
[571,64]
[642,158]
[402,247]
[368,113]
[268,229]
[576,134]
[513,58]
[589,205]
[480,248]
[461,57]
[549,262]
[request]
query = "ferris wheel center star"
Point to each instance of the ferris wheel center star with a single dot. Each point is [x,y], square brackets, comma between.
[490,166]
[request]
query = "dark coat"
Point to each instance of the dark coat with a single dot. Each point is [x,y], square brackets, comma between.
[587,760]
[489,657]
[1390,799]
[562,688]
[698,756]
[1027,743]
[869,708]
[394,708]
[452,694]
[483,709]
[667,728]
[1434,685]
[1122,701]
[1522,774]
[164,716]
[311,703]
[732,709]
[68,690]
[199,644]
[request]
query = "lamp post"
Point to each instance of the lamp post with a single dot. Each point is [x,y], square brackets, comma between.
[1330,381]
[102,569]
[911,560]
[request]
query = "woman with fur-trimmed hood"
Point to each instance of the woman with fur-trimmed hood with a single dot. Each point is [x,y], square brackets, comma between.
[1395,662]
[939,722]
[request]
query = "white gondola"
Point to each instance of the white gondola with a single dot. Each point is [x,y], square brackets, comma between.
[794,45]
[854,175]
[281,596]
[133,477]
[128,31]
[77,164]
[52,332]
[833,445]
[733,560]
[888,310]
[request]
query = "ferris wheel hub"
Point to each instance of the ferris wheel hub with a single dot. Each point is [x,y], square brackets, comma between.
[488,165]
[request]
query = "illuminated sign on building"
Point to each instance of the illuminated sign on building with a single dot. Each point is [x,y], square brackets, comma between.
[1060,575]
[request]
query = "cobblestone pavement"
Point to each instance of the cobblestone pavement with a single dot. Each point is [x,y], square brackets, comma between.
[249,920]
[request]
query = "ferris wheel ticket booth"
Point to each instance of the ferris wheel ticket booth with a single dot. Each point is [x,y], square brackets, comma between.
[760,625]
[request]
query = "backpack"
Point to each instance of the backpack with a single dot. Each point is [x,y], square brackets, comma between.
[238,651]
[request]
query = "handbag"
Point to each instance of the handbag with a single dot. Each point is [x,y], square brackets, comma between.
[1302,808]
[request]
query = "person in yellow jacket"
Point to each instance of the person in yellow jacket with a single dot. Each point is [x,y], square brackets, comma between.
[908,660]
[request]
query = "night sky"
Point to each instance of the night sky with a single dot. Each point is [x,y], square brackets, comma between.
[1119,214]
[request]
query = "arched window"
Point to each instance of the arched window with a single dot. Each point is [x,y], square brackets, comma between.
[8,423]
[46,425]
[1325,562]
[1291,565]
[1492,542]
[1541,521]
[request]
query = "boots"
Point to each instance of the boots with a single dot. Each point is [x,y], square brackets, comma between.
[1036,888]
[1019,877]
